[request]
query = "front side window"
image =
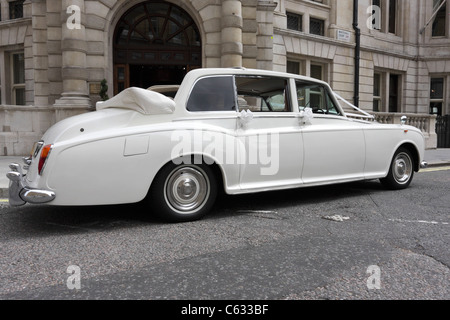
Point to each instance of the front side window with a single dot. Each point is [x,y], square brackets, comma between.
[316,97]
[212,94]
[262,94]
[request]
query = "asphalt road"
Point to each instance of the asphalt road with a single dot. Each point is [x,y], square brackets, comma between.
[269,246]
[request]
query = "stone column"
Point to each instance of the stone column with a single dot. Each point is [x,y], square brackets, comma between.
[4,6]
[231,36]
[264,18]
[37,65]
[75,96]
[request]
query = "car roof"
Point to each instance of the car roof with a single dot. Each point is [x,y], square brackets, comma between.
[244,71]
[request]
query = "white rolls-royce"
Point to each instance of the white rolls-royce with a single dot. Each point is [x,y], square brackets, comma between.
[234,129]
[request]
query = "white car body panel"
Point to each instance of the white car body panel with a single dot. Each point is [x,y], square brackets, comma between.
[111,156]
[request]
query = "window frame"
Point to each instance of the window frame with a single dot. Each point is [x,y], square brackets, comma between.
[323,26]
[441,99]
[378,97]
[19,85]
[385,93]
[300,22]
[305,63]
[207,77]
[446,15]
[288,105]
[326,96]
[12,8]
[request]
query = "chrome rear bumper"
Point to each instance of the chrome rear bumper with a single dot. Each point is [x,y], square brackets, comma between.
[20,193]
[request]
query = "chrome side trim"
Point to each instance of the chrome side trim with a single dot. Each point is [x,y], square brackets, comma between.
[423,165]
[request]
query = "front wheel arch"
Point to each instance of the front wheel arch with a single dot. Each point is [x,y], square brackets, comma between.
[401,169]
[414,153]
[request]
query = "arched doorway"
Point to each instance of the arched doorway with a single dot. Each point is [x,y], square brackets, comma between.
[155,42]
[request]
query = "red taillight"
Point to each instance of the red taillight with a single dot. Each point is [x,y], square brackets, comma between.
[44,155]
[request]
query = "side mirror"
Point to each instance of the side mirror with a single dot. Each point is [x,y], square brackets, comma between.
[403,120]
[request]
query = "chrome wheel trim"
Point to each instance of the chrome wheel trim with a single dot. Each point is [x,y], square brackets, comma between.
[186,189]
[402,168]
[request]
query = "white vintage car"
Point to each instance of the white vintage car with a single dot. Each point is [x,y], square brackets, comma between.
[239,130]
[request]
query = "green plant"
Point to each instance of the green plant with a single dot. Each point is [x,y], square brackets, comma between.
[103,90]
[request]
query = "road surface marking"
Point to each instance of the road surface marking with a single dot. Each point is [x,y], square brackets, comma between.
[4,200]
[255,211]
[435,169]
[419,221]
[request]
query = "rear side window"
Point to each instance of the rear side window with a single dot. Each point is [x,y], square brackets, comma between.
[212,94]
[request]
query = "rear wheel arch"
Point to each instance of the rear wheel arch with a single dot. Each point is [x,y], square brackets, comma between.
[203,170]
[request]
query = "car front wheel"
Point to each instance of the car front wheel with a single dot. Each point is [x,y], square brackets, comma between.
[183,192]
[401,171]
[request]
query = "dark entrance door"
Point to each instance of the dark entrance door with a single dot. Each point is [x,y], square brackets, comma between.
[145,76]
[155,42]
[443,131]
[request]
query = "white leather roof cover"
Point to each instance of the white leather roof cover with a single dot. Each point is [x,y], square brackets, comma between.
[140,100]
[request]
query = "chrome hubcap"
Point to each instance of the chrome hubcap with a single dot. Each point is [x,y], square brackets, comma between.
[186,189]
[402,168]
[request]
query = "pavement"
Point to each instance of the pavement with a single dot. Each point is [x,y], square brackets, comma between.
[434,157]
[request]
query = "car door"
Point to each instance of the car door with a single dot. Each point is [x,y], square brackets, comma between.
[269,131]
[333,145]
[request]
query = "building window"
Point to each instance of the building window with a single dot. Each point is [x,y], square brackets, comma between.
[317,71]
[293,67]
[18,77]
[387,89]
[308,68]
[392,16]
[439,23]
[394,89]
[294,21]
[436,95]
[377,92]
[16,9]
[317,26]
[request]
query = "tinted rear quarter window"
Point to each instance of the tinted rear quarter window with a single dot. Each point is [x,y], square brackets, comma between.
[212,94]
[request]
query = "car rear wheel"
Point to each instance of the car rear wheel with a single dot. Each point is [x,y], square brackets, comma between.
[183,192]
[401,171]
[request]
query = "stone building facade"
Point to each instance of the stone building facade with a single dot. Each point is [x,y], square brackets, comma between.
[55,54]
